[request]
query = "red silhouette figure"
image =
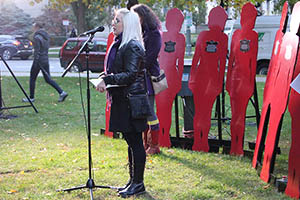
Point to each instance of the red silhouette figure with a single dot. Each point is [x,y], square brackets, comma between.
[241,75]
[280,91]
[262,129]
[171,60]
[110,40]
[207,74]
[293,185]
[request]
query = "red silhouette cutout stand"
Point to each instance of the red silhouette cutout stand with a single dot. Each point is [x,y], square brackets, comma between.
[110,40]
[280,92]
[262,129]
[240,80]
[207,74]
[171,60]
[293,185]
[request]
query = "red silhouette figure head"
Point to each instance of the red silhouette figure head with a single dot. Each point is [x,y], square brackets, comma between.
[172,14]
[248,16]
[283,21]
[217,18]
[295,20]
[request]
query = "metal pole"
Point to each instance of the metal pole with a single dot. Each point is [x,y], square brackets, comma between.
[177,117]
[256,105]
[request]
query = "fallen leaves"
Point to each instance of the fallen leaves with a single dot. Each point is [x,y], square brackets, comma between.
[266,186]
[12,191]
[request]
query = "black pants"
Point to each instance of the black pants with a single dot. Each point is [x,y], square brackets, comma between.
[35,69]
[136,151]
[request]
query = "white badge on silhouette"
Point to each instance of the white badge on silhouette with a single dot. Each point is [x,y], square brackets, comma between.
[276,47]
[288,52]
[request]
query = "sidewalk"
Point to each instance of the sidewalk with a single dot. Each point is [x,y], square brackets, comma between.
[53,74]
[56,70]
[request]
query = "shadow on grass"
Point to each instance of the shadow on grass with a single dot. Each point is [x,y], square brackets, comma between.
[231,177]
[141,196]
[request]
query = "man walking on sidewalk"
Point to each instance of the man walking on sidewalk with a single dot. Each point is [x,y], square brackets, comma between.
[41,43]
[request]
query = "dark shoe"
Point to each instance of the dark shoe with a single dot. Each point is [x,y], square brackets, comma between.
[137,186]
[62,96]
[125,186]
[26,100]
[133,189]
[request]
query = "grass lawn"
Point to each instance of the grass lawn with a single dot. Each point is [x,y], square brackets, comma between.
[44,152]
[54,52]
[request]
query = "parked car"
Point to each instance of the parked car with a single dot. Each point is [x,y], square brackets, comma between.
[15,46]
[97,52]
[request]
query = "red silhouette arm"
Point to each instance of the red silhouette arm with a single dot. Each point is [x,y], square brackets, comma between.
[222,62]
[180,56]
[231,61]
[254,58]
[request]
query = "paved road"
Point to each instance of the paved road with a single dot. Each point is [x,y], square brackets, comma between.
[22,68]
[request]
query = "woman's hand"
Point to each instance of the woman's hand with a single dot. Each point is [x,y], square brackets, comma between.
[101,86]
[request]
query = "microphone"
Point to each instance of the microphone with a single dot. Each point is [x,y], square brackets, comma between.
[93,31]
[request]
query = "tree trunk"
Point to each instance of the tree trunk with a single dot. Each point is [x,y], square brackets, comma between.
[79,9]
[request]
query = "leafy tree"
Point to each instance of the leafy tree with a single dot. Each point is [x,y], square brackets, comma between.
[199,14]
[53,21]
[279,3]
[99,15]
[89,13]
[14,21]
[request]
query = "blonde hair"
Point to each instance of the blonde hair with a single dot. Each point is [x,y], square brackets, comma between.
[132,29]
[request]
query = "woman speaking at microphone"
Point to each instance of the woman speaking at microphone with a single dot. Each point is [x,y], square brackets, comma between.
[125,64]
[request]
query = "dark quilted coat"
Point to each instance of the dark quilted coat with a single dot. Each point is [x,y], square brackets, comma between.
[127,69]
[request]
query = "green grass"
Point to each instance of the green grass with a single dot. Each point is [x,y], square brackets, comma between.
[54,50]
[53,53]
[43,152]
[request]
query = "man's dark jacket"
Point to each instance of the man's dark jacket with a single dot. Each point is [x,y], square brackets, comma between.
[41,42]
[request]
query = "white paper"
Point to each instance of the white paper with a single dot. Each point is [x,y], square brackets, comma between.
[296,84]
[114,86]
[95,81]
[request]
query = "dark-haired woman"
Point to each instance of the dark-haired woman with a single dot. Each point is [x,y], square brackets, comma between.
[152,41]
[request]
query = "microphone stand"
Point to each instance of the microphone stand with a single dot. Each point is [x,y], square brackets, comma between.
[90,184]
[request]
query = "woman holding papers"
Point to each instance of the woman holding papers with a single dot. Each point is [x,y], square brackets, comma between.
[125,64]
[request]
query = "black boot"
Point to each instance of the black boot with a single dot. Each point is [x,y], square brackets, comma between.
[130,179]
[130,168]
[137,186]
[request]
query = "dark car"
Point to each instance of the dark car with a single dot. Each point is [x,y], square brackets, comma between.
[15,46]
[96,54]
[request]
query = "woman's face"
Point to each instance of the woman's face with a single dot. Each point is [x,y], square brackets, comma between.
[117,25]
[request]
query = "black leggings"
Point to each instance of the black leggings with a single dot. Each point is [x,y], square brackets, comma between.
[35,69]
[136,151]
